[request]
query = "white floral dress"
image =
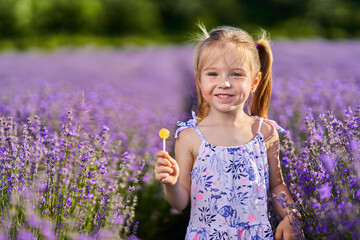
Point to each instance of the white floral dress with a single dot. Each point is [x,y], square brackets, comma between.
[229,189]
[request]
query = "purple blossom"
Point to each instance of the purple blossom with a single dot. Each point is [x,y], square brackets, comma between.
[26,235]
[68,202]
[78,161]
[328,161]
[146,178]
[82,158]
[325,191]
[141,165]
[324,175]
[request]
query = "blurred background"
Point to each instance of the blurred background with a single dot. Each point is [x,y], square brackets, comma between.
[50,23]
[114,26]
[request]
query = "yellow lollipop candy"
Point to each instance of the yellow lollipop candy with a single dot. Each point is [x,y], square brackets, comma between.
[164,134]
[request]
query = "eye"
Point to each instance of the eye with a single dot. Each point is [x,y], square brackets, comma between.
[235,74]
[212,74]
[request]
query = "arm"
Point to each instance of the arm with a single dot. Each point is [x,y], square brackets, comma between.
[175,174]
[276,180]
[277,184]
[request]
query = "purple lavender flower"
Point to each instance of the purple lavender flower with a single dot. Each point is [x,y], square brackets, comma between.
[68,202]
[328,161]
[106,133]
[323,175]
[325,191]
[146,178]
[26,235]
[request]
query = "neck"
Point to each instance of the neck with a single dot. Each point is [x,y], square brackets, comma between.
[232,118]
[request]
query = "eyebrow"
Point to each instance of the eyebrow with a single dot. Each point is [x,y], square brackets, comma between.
[241,69]
[232,69]
[209,69]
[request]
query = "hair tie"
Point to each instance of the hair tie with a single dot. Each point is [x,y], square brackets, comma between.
[255,45]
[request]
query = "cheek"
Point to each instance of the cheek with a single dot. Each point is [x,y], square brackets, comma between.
[243,86]
[205,86]
[244,90]
[204,92]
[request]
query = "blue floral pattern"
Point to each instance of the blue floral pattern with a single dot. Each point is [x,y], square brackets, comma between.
[229,190]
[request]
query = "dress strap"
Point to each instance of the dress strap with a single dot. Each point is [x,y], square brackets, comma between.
[271,122]
[260,123]
[191,123]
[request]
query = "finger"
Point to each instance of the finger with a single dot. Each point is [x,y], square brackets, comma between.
[278,234]
[163,169]
[162,177]
[164,180]
[172,161]
[163,162]
[162,153]
[167,180]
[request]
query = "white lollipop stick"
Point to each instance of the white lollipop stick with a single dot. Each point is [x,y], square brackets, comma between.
[164,134]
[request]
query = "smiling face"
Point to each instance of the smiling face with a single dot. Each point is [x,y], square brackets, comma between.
[225,78]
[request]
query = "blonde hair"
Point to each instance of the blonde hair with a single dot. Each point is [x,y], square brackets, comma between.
[258,54]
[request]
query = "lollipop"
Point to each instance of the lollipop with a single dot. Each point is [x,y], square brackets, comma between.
[164,134]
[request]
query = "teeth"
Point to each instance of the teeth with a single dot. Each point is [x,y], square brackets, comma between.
[223,95]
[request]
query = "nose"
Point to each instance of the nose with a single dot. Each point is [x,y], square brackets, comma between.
[224,83]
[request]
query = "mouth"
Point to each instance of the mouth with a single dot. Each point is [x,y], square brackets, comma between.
[223,97]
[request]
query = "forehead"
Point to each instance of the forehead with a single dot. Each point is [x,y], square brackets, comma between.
[232,54]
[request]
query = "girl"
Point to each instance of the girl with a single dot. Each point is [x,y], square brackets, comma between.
[227,160]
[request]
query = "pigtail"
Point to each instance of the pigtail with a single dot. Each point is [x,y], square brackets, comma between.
[261,98]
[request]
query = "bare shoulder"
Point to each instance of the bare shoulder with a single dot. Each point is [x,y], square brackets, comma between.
[189,140]
[187,134]
[270,134]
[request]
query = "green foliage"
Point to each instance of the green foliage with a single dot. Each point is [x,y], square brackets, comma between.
[150,18]
[7,18]
[54,16]
[92,15]
[137,16]
[336,18]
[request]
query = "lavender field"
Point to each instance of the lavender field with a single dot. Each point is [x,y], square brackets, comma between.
[79,129]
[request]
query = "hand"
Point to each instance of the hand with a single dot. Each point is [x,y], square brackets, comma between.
[284,230]
[166,169]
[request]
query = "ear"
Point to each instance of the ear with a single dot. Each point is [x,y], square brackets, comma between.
[255,82]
